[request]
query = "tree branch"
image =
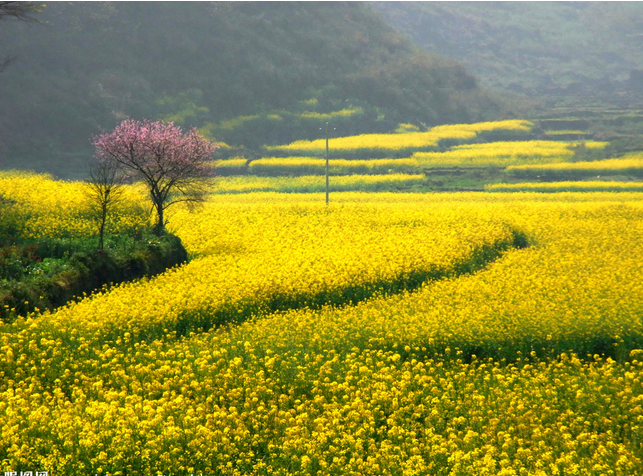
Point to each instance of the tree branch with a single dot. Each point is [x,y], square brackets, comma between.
[19,10]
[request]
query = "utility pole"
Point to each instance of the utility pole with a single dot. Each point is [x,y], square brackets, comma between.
[327,187]
[327,166]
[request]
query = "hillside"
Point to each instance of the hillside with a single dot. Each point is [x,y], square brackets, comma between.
[245,73]
[578,52]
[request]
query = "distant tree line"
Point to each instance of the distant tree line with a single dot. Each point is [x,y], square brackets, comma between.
[208,63]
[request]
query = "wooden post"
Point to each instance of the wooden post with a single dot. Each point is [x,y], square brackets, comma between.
[327,187]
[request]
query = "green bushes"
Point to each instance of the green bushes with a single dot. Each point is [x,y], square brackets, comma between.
[48,273]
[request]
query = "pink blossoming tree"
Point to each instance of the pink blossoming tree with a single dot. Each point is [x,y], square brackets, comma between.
[171,163]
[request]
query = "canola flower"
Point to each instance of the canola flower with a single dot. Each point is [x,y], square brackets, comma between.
[342,113]
[288,258]
[502,154]
[561,132]
[222,407]
[59,209]
[235,164]
[630,164]
[405,127]
[458,200]
[506,125]
[404,141]
[317,166]
[313,183]
[481,373]
[553,187]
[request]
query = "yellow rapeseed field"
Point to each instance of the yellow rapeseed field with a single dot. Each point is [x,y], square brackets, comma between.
[317,166]
[347,112]
[236,165]
[313,183]
[631,164]
[49,208]
[588,186]
[502,154]
[404,141]
[402,334]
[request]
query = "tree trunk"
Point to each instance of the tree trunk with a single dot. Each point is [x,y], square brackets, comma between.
[159,228]
[101,232]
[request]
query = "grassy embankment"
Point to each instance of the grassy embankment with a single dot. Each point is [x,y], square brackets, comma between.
[49,247]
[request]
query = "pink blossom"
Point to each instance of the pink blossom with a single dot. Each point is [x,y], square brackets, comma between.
[170,162]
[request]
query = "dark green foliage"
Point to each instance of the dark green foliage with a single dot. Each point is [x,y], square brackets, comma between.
[12,222]
[461,179]
[583,154]
[16,259]
[213,65]
[281,126]
[502,136]
[563,124]
[622,144]
[48,273]
[551,52]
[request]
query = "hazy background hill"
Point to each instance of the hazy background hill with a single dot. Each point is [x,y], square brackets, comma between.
[245,73]
[575,53]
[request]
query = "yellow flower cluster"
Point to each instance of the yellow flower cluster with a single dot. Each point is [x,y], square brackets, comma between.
[256,259]
[589,186]
[631,164]
[404,141]
[317,166]
[405,127]
[501,154]
[562,132]
[507,125]
[347,112]
[49,208]
[215,406]
[312,183]
[530,365]
[234,162]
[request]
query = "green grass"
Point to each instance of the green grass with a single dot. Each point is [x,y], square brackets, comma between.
[36,275]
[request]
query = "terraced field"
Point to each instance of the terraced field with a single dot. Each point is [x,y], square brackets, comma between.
[460,157]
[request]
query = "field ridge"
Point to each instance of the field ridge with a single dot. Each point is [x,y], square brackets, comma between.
[352,294]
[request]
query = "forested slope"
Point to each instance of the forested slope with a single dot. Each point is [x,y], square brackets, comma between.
[576,51]
[245,73]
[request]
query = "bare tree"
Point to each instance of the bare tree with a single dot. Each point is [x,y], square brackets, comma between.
[104,192]
[19,11]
